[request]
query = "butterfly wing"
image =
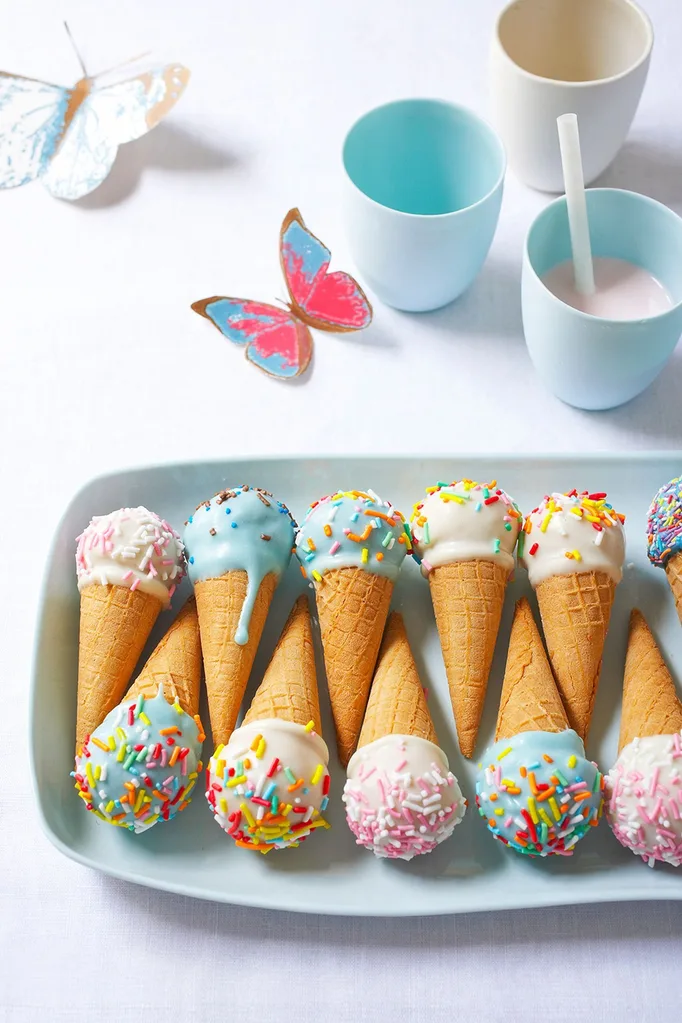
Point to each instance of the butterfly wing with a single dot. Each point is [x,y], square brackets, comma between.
[84,157]
[129,109]
[32,116]
[275,341]
[107,118]
[332,302]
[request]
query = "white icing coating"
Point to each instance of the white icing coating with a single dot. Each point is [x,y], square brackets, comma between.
[454,523]
[644,798]
[401,798]
[131,547]
[574,533]
[264,756]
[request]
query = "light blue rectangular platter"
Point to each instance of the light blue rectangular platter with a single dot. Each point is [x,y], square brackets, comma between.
[329,874]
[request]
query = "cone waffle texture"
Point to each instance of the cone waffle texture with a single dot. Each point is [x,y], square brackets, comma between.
[575,611]
[115,623]
[530,701]
[352,606]
[289,687]
[673,571]
[397,704]
[468,597]
[651,705]
[227,665]
[175,664]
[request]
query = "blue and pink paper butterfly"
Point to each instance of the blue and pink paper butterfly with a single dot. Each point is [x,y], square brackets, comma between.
[279,341]
[68,138]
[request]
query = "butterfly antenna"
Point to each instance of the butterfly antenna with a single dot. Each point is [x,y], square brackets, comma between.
[125,63]
[76,50]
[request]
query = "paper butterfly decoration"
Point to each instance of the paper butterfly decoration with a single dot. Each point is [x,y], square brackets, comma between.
[69,137]
[278,341]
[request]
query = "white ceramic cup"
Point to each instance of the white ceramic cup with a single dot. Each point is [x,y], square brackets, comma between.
[552,57]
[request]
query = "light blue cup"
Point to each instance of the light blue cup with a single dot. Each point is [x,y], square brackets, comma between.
[588,361]
[423,199]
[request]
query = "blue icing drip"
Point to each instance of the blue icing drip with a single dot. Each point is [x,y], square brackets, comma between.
[165,780]
[352,528]
[529,823]
[257,539]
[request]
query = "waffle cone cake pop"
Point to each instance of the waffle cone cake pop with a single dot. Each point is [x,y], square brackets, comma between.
[128,565]
[664,536]
[536,790]
[269,786]
[238,545]
[465,534]
[644,788]
[401,798]
[351,546]
[574,548]
[141,763]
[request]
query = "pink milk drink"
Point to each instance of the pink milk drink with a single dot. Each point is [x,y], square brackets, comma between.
[623,291]
[598,346]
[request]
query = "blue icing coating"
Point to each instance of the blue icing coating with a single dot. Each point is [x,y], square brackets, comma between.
[240,529]
[124,773]
[538,792]
[352,529]
[664,523]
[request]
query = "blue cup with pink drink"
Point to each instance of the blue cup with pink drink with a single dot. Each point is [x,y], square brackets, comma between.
[599,349]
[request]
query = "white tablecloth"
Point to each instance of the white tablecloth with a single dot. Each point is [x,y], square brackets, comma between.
[102,365]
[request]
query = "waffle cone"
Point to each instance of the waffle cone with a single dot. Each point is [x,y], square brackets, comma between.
[352,606]
[175,664]
[468,597]
[397,704]
[115,623]
[227,665]
[289,687]
[673,571]
[651,705]
[530,700]
[575,611]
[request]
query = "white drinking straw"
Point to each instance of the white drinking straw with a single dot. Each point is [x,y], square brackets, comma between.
[574,183]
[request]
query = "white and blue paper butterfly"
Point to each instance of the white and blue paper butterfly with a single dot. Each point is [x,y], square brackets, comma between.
[69,137]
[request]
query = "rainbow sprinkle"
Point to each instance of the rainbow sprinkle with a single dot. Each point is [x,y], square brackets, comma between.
[664,523]
[591,509]
[352,528]
[443,540]
[150,774]
[549,797]
[262,803]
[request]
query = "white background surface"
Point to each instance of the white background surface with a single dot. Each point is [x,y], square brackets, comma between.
[103,365]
